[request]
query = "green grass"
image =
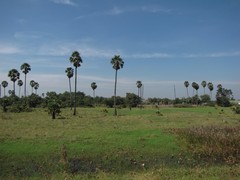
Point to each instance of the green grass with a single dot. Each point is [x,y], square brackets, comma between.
[137,144]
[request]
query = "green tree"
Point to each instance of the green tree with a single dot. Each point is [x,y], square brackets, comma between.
[204,84]
[210,87]
[70,72]
[223,96]
[32,84]
[20,83]
[76,60]
[132,100]
[25,67]
[4,85]
[54,107]
[186,84]
[14,76]
[117,63]
[94,86]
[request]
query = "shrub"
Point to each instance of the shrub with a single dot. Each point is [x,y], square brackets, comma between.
[236,109]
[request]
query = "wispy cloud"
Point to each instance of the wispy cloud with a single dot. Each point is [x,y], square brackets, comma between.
[65,2]
[9,49]
[155,9]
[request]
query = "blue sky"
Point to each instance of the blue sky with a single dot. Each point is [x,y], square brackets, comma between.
[163,43]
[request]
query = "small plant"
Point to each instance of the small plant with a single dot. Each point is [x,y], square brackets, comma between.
[54,107]
[236,109]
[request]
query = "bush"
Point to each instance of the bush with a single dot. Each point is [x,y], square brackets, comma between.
[236,109]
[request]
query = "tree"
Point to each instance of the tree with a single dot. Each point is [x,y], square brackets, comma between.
[4,85]
[186,84]
[76,60]
[132,100]
[70,74]
[117,63]
[223,96]
[25,67]
[204,84]
[196,87]
[14,76]
[210,87]
[36,86]
[139,86]
[54,107]
[93,86]
[32,84]
[20,83]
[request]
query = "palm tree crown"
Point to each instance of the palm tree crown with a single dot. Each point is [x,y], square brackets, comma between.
[117,62]
[139,85]
[204,84]
[69,72]
[76,59]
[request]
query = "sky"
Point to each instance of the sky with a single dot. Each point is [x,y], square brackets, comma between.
[162,43]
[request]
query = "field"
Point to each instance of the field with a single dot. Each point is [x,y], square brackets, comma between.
[137,144]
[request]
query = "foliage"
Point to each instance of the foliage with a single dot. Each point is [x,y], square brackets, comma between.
[223,96]
[132,100]
[54,107]
[236,109]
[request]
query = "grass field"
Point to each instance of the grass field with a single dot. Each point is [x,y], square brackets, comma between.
[137,144]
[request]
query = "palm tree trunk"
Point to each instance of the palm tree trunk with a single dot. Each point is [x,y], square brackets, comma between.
[115,92]
[19,91]
[25,89]
[4,92]
[187,93]
[74,112]
[14,87]
[70,89]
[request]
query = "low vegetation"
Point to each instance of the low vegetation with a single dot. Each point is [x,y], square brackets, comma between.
[149,143]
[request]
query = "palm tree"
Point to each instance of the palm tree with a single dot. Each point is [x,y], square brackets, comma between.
[139,85]
[4,85]
[76,60]
[32,84]
[210,87]
[93,86]
[186,84]
[14,76]
[25,67]
[117,63]
[70,73]
[204,84]
[196,87]
[193,86]
[36,86]
[20,83]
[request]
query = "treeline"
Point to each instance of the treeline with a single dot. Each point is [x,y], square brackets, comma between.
[14,103]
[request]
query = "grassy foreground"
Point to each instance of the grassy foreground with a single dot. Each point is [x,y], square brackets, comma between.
[137,144]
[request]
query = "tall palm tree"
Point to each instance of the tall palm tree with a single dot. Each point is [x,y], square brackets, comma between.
[32,84]
[210,87]
[139,86]
[14,76]
[117,63]
[20,83]
[204,84]
[4,85]
[186,84]
[36,86]
[193,86]
[76,60]
[25,67]
[196,87]
[94,86]
[70,74]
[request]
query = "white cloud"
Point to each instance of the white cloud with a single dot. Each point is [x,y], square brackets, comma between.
[155,9]
[9,49]
[65,2]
